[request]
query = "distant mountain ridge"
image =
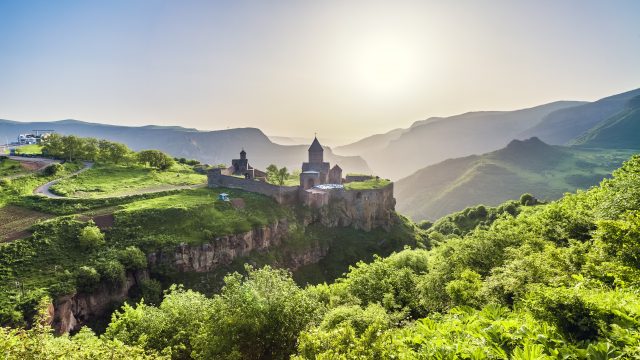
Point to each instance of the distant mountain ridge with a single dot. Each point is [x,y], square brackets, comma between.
[621,131]
[528,166]
[213,147]
[562,126]
[401,152]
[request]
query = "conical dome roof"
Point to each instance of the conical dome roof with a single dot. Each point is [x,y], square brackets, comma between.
[315,146]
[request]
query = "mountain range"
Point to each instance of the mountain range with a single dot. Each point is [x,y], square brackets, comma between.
[529,166]
[212,147]
[401,152]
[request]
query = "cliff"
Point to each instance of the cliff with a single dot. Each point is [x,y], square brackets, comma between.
[360,209]
[68,313]
[220,250]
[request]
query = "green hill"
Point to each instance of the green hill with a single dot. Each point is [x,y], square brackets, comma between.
[621,131]
[532,281]
[528,166]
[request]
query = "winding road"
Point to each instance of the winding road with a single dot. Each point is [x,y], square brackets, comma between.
[44,189]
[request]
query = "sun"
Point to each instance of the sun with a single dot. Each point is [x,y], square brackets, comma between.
[386,65]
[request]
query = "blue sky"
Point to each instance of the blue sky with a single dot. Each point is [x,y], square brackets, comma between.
[343,68]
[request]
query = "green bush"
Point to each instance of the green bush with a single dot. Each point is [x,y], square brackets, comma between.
[151,291]
[132,258]
[53,169]
[87,278]
[90,237]
[111,271]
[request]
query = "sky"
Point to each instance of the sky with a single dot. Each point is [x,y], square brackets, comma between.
[344,69]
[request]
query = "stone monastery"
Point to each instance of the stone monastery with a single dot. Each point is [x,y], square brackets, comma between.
[320,186]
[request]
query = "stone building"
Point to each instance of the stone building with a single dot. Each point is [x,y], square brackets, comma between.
[316,171]
[241,167]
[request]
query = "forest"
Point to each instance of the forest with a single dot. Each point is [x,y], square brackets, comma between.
[523,281]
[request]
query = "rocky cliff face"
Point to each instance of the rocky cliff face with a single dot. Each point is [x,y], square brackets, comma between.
[360,209]
[68,313]
[221,250]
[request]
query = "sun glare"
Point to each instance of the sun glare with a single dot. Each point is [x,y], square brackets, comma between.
[386,66]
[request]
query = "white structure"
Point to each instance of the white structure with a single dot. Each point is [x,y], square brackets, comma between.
[34,138]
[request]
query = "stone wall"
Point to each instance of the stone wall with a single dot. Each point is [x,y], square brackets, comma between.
[355,178]
[282,194]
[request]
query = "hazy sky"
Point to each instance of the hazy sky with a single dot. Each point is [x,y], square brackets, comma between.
[346,69]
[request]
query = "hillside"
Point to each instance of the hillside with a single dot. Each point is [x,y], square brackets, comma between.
[124,225]
[212,147]
[403,151]
[548,281]
[621,131]
[561,126]
[528,166]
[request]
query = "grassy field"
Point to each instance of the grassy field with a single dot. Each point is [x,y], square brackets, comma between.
[14,189]
[29,150]
[194,216]
[115,180]
[10,167]
[375,183]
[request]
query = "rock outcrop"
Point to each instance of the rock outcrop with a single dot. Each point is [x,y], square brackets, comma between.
[360,209]
[70,312]
[221,250]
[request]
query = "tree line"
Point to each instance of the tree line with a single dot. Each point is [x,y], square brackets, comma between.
[75,148]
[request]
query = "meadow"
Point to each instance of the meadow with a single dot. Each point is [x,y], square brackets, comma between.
[10,167]
[375,183]
[33,149]
[109,180]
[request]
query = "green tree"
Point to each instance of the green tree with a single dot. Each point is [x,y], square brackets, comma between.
[112,152]
[91,237]
[256,317]
[277,176]
[132,258]
[156,159]
[53,146]
[87,278]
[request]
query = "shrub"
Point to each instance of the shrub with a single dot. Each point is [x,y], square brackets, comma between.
[151,291]
[111,271]
[132,258]
[53,169]
[87,278]
[90,237]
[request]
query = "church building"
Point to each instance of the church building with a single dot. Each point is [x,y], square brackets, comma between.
[317,171]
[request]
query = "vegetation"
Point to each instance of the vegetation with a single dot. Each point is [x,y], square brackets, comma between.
[523,280]
[277,176]
[556,280]
[10,167]
[109,180]
[33,149]
[545,171]
[156,159]
[375,183]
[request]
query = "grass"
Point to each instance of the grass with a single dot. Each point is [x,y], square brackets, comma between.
[10,167]
[195,216]
[34,149]
[15,189]
[116,180]
[375,183]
